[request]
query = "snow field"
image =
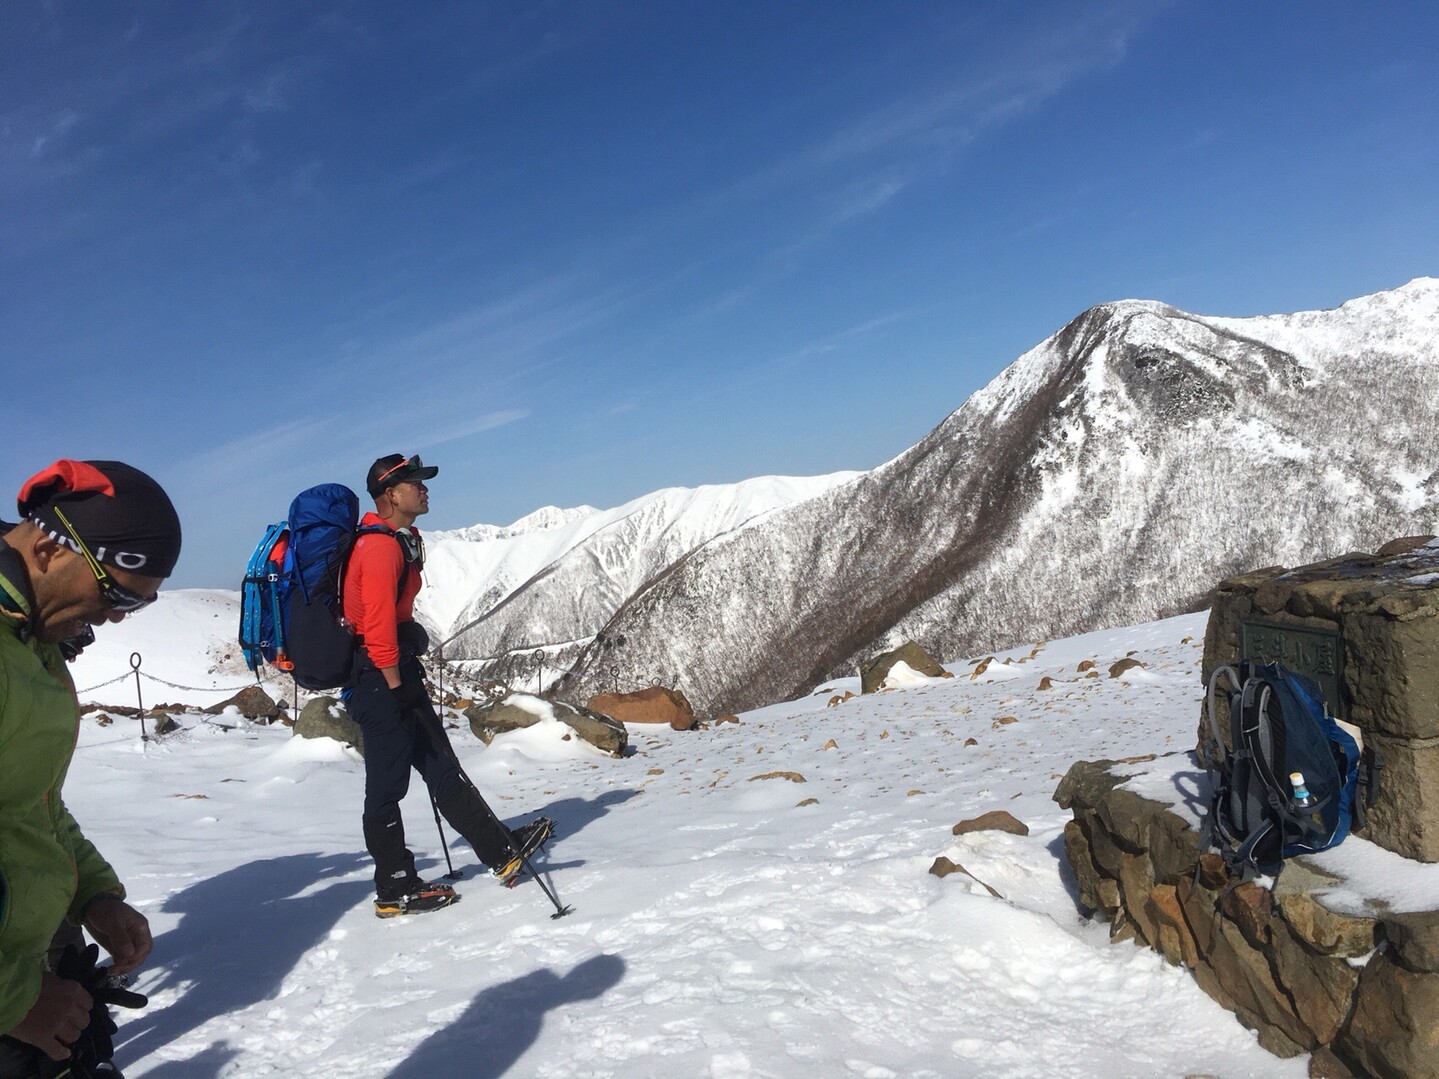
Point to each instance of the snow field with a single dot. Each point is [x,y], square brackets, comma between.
[720,929]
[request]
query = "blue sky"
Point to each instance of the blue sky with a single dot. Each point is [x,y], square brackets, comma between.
[577,252]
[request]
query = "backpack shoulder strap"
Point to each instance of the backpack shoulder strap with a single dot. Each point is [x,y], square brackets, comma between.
[368,530]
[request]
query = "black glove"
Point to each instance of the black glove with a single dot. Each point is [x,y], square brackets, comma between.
[409,696]
[413,639]
[91,1053]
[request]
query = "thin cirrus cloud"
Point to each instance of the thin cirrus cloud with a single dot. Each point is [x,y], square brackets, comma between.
[488,422]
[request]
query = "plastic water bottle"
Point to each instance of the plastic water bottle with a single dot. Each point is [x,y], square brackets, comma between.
[1302,798]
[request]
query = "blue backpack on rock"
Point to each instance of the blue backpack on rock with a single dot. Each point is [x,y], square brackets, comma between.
[291,599]
[1288,783]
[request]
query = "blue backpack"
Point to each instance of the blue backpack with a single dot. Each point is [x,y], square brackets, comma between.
[290,602]
[1288,783]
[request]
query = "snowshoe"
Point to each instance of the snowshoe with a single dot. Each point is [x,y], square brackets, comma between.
[527,840]
[423,899]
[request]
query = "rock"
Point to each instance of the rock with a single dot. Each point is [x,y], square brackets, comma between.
[831,744]
[1086,876]
[252,702]
[1084,784]
[1414,940]
[1323,930]
[1084,665]
[1405,819]
[996,820]
[873,672]
[793,777]
[1394,1030]
[326,717]
[807,802]
[1136,882]
[971,741]
[1003,721]
[1249,906]
[165,724]
[654,704]
[1321,986]
[1173,846]
[1118,667]
[726,719]
[1172,937]
[521,710]
[1324,1064]
[943,867]
[981,667]
[1403,545]
[1046,683]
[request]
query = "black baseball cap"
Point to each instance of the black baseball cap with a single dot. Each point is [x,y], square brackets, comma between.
[397,468]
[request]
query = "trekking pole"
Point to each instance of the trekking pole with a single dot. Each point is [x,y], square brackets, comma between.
[560,910]
[444,844]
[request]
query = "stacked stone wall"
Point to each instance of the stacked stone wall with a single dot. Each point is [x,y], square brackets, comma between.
[1385,610]
[1359,993]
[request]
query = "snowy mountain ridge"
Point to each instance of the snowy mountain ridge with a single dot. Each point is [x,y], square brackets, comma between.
[561,574]
[1112,474]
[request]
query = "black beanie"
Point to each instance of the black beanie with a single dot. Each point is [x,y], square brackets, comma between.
[122,515]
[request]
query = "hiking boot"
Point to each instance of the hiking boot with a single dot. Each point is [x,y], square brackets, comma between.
[526,841]
[422,899]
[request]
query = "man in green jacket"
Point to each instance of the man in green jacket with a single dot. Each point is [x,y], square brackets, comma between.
[95,541]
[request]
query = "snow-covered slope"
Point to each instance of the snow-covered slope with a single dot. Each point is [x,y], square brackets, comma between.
[724,925]
[554,578]
[1111,474]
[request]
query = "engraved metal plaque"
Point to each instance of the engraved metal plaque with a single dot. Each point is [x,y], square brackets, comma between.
[1317,653]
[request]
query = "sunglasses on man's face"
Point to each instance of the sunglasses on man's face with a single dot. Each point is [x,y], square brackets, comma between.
[116,596]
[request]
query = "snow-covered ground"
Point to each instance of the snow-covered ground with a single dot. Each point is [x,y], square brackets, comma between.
[721,928]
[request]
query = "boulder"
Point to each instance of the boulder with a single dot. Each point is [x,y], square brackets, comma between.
[252,702]
[655,704]
[873,672]
[520,710]
[325,717]
[996,820]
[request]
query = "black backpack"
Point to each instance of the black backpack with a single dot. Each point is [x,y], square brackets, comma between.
[1288,783]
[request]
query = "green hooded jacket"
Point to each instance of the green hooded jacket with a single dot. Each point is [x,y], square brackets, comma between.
[48,869]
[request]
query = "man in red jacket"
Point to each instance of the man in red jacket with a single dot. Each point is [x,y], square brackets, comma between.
[388,700]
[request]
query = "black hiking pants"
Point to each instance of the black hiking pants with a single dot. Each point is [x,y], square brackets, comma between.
[397,740]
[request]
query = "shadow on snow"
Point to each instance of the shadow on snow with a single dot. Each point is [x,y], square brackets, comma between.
[240,933]
[503,1021]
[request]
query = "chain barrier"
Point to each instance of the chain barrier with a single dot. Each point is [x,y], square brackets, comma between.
[135,670]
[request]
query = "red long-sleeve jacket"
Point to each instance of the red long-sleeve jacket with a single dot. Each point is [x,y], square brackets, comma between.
[372,583]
